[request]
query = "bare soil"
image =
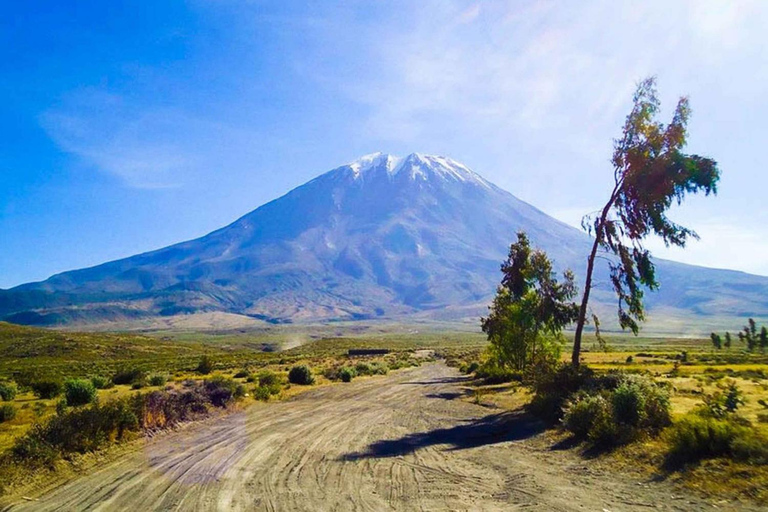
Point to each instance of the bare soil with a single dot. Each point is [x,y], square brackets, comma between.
[403,442]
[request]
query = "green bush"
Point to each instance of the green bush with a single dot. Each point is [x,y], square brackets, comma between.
[158,380]
[379,368]
[79,392]
[472,367]
[494,374]
[363,368]
[268,378]
[46,388]
[301,374]
[7,391]
[628,402]
[128,376]
[100,382]
[346,374]
[699,436]
[7,412]
[581,414]
[242,374]
[261,393]
[205,366]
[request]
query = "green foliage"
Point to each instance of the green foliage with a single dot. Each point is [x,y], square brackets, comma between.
[158,380]
[617,409]
[7,412]
[79,392]
[8,391]
[650,174]
[222,390]
[128,375]
[553,388]
[242,374]
[717,342]
[301,374]
[696,437]
[363,368]
[491,373]
[100,382]
[720,405]
[346,374]
[47,388]
[530,309]
[268,378]
[205,366]
[261,393]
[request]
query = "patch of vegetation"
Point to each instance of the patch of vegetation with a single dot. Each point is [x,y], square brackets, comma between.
[301,374]
[158,380]
[8,391]
[7,412]
[205,366]
[47,388]
[346,374]
[79,392]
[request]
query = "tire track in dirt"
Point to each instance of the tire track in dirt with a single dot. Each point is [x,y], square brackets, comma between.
[394,443]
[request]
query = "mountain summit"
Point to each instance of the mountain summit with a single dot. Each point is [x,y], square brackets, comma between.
[380,237]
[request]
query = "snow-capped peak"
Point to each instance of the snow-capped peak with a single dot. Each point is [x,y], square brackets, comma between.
[417,166]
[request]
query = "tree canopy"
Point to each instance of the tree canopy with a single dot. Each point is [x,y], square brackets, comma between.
[530,309]
[651,173]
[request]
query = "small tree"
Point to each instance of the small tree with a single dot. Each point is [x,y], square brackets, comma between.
[716,341]
[650,173]
[763,338]
[727,341]
[530,308]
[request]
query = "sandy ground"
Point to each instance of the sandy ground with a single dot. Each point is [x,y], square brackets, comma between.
[404,442]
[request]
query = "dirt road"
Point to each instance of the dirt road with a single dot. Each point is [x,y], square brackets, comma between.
[403,442]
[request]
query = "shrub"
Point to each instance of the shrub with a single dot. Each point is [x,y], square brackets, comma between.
[7,412]
[242,374]
[554,388]
[261,393]
[221,390]
[100,382]
[580,414]
[363,368]
[268,378]
[79,392]
[694,437]
[46,388]
[302,375]
[379,368]
[628,402]
[157,380]
[473,367]
[346,374]
[205,366]
[494,374]
[7,391]
[128,376]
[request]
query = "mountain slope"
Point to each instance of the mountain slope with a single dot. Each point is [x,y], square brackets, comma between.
[380,237]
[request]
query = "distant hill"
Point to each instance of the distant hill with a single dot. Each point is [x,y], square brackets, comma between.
[379,238]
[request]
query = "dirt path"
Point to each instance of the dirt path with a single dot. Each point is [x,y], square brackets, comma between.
[397,443]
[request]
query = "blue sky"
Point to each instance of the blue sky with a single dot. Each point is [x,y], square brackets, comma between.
[128,126]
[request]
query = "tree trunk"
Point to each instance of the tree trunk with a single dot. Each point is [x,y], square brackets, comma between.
[599,229]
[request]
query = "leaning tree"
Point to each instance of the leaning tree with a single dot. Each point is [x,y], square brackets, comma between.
[650,173]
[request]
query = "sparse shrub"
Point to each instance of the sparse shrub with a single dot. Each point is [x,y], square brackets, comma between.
[473,367]
[7,412]
[7,391]
[100,382]
[221,390]
[128,376]
[268,378]
[46,388]
[301,374]
[363,368]
[379,368]
[79,392]
[261,393]
[630,359]
[554,388]
[242,374]
[346,374]
[205,366]
[493,374]
[158,380]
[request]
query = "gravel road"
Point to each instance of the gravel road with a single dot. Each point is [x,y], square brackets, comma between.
[401,442]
